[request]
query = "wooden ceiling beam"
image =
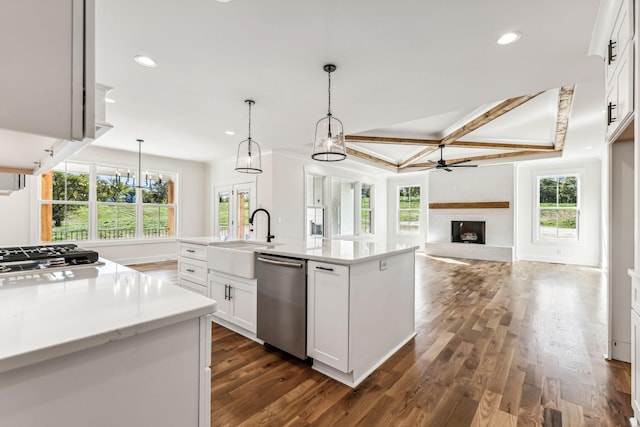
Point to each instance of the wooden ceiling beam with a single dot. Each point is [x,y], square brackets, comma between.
[477,158]
[24,171]
[495,112]
[389,140]
[371,158]
[431,142]
[565,101]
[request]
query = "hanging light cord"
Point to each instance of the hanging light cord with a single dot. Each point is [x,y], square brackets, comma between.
[329,111]
[249,102]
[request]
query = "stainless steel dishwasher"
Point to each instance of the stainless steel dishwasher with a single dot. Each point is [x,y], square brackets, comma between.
[282,303]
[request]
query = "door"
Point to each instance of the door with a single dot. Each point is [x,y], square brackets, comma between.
[328,314]
[232,209]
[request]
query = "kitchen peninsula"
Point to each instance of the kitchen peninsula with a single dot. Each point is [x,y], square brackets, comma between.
[102,346]
[360,295]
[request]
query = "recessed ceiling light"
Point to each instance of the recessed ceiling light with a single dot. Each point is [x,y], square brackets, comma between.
[109,100]
[145,60]
[229,132]
[511,37]
[588,148]
[224,1]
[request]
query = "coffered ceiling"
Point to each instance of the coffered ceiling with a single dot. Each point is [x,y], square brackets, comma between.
[407,70]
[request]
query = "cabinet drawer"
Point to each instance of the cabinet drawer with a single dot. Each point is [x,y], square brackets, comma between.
[193,251]
[195,287]
[193,270]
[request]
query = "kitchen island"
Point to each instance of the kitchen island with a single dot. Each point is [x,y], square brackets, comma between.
[102,346]
[359,296]
[360,302]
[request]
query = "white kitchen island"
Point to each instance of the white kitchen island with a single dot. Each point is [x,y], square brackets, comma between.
[103,346]
[360,302]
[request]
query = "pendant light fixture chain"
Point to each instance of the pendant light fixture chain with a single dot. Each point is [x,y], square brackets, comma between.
[329,68]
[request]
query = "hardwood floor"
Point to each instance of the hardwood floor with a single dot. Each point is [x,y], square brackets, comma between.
[497,344]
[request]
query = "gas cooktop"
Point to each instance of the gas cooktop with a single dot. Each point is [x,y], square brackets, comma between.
[26,258]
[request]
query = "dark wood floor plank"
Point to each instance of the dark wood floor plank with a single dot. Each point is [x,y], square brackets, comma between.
[497,344]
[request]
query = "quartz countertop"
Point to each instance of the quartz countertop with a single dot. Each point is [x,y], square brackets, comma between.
[204,240]
[49,314]
[344,252]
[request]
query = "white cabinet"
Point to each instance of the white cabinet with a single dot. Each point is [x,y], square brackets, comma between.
[192,267]
[328,314]
[237,300]
[48,72]
[619,71]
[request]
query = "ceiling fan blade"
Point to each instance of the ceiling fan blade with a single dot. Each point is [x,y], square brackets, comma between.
[462,166]
[447,169]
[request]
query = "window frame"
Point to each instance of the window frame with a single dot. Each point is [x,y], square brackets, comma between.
[537,208]
[370,209]
[399,209]
[93,204]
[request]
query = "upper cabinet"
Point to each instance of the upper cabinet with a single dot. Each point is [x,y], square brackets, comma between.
[619,69]
[48,86]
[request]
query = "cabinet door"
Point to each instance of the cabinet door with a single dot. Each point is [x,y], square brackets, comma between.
[48,99]
[635,363]
[243,303]
[328,314]
[219,292]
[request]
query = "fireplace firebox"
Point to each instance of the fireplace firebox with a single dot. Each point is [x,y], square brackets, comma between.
[467,232]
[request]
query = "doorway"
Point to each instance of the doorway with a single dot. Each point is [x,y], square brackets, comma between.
[233,205]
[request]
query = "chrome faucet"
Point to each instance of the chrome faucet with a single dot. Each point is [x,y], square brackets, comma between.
[269,235]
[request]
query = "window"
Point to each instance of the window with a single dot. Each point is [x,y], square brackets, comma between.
[314,206]
[96,202]
[64,210]
[342,207]
[366,209]
[558,207]
[409,209]
[233,205]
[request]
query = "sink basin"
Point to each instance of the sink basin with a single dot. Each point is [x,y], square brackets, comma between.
[234,257]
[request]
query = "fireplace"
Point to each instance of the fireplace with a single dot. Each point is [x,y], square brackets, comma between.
[467,232]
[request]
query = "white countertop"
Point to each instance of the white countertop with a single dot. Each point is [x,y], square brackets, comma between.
[205,240]
[49,314]
[335,251]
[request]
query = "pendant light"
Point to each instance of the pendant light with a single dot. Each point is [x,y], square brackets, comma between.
[328,145]
[249,158]
[147,184]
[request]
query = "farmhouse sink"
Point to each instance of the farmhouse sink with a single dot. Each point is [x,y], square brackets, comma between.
[234,257]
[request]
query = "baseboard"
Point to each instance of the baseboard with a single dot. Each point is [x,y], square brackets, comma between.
[559,260]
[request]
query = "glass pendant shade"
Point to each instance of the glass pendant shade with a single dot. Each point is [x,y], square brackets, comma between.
[249,159]
[328,145]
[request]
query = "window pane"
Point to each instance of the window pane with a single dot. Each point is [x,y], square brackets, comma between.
[409,221]
[243,203]
[342,208]
[223,215]
[116,222]
[568,192]
[314,190]
[67,222]
[159,189]
[365,222]
[548,192]
[156,221]
[315,216]
[115,185]
[365,196]
[71,183]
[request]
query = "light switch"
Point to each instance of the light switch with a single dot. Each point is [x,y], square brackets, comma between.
[383,264]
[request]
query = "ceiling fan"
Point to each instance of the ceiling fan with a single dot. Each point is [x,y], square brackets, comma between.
[442,164]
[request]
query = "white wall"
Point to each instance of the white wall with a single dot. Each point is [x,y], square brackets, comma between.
[587,251]
[281,188]
[481,184]
[19,212]
[15,216]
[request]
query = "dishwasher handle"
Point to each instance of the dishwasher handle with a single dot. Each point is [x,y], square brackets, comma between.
[281,263]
